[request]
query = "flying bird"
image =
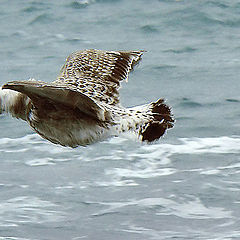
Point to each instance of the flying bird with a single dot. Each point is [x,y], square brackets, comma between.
[82,105]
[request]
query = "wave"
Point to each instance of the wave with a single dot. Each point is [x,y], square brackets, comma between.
[158,150]
[28,209]
[182,50]
[14,238]
[189,209]
[43,18]
[149,233]
[136,160]
[79,4]
[149,29]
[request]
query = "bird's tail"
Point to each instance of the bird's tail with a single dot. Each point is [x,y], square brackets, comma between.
[152,120]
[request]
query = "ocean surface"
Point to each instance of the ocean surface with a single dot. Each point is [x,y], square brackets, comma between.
[185,186]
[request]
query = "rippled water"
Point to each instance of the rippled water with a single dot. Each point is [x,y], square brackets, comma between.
[186,186]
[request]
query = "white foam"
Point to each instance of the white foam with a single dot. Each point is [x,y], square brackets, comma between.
[28,209]
[211,172]
[189,209]
[194,145]
[141,173]
[143,160]
[199,146]
[40,162]
[117,183]
[13,238]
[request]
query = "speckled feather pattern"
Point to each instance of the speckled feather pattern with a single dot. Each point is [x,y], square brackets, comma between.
[98,73]
[82,105]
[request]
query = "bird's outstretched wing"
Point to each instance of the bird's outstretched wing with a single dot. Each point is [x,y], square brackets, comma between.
[97,73]
[40,92]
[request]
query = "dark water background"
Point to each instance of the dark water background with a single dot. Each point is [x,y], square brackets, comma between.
[186,186]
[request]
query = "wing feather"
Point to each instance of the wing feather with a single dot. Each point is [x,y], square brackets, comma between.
[98,73]
[61,94]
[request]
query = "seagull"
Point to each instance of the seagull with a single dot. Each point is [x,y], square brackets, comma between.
[82,105]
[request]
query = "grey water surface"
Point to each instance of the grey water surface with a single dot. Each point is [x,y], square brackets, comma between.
[185,186]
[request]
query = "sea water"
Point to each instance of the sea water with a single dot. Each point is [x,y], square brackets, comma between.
[185,186]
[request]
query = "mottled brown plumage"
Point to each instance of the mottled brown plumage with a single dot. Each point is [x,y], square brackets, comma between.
[98,73]
[82,105]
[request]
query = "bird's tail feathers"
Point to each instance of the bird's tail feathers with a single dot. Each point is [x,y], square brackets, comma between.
[158,118]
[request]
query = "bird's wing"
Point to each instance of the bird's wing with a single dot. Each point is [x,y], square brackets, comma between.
[60,94]
[98,73]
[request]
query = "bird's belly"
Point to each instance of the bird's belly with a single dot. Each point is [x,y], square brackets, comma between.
[70,133]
